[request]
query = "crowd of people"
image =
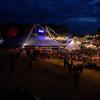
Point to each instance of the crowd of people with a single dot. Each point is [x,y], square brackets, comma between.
[73,70]
[9,58]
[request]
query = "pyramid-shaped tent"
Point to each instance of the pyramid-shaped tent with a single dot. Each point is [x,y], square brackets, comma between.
[41,41]
[32,39]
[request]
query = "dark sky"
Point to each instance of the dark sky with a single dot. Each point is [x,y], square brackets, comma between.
[79,15]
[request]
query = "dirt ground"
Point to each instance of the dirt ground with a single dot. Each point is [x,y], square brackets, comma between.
[49,80]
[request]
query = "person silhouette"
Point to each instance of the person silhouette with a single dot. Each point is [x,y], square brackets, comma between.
[76,75]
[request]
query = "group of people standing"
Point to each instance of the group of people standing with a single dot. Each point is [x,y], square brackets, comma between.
[72,69]
[8,59]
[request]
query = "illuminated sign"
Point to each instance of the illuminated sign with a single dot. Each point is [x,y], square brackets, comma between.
[41,31]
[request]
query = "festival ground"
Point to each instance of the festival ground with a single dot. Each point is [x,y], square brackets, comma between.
[49,80]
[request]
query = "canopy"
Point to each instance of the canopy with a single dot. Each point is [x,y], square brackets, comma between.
[41,41]
[72,46]
[32,41]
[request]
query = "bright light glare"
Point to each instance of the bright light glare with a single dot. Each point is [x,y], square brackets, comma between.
[41,31]
[24,45]
[1,40]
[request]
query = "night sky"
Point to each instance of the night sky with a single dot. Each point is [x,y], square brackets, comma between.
[79,15]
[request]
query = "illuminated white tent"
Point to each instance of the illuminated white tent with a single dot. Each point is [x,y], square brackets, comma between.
[72,46]
[90,46]
[40,40]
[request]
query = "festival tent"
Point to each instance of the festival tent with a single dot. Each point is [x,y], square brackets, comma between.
[72,46]
[16,41]
[41,41]
[90,46]
[32,41]
[38,36]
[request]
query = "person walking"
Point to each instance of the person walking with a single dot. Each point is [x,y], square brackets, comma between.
[12,62]
[30,60]
[0,62]
[65,62]
[81,69]
[76,76]
[70,65]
